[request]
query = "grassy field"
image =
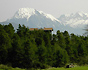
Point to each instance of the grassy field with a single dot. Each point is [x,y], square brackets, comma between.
[75,68]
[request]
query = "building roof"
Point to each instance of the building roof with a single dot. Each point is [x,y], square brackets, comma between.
[45,29]
[32,29]
[48,29]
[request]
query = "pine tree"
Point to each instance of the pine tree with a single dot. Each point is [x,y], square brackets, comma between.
[61,39]
[5,45]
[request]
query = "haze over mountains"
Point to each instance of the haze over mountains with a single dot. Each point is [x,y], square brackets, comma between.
[32,18]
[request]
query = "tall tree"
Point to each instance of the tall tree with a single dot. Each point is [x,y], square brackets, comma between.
[16,54]
[5,45]
[9,29]
[30,58]
[68,45]
[61,39]
[61,56]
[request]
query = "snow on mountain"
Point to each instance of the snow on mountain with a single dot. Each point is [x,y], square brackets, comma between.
[28,12]
[79,19]
[24,13]
[49,16]
[32,18]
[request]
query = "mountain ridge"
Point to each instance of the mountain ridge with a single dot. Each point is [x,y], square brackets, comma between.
[28,12]
[79,19]
[32,18]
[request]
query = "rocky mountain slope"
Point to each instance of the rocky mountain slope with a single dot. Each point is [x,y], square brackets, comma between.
[32,18]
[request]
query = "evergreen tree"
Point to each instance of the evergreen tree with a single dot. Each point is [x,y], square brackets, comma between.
[54,39]
[9,29]
[61,56]
[68,45]
[16,54]
[61,40]
[5,45]
[30,57]
[21,30]
[42,56]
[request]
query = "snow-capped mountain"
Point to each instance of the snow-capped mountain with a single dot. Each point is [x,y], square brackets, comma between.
[32,18]
[77,20]
[28,12]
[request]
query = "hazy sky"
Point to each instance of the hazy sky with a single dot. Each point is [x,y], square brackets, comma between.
[53,7]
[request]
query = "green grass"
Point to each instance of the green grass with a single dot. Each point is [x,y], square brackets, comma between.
[75,68]
[13,69]
[5,67]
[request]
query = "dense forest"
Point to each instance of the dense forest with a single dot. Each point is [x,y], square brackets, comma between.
[38,49]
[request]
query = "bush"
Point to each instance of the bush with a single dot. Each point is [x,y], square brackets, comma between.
[4,67]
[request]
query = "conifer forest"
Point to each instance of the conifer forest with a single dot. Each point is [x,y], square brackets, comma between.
[38,49]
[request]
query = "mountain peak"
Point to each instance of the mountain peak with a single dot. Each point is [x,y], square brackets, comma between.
[24,13]
[28,12]
[75,19]
[33,18]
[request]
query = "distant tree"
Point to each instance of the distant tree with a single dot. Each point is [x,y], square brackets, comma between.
[68,45]
[39,41]
[16,53]
[54,39]
[5,45]
[86,30]
[21,30]
[81,48]
[61,39]
[74,44]
[30,57]
[42,56]
[61,56]
[9,29]
[47,39]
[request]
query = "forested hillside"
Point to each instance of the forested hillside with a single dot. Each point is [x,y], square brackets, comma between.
[38,49]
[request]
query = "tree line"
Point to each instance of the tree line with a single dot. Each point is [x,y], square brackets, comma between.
[38,49]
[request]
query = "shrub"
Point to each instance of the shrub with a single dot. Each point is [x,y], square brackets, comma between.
[4,67]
